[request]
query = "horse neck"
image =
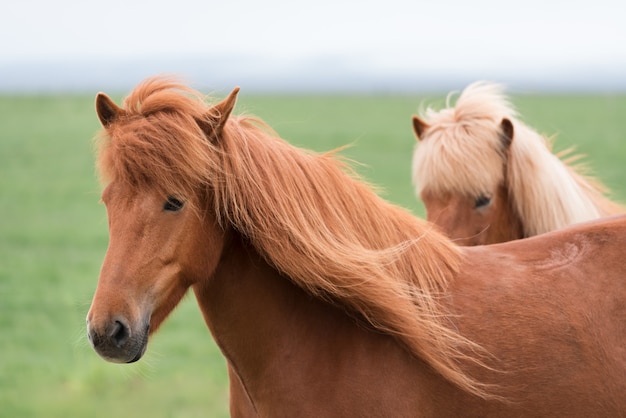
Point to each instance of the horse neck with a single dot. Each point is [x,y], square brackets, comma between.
[260,319]
[508,225]
[284,346]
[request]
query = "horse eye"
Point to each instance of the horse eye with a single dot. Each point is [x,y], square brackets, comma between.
[172,204]
[482,201]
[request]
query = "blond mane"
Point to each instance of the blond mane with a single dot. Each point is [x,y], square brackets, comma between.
[461,152]
[307,214]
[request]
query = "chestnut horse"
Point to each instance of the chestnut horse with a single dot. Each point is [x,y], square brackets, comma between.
[485,177]
[326,300]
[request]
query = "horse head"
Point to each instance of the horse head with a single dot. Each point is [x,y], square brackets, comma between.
[163,236]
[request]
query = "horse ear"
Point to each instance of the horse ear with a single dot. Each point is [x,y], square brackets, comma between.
[107,110]
[226,106]
[506,133]
[419,126]
[216,117]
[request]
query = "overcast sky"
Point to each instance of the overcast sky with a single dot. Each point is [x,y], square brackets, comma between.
[387,35]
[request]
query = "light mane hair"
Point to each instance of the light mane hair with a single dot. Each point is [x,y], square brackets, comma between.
[308,214]
[461,151]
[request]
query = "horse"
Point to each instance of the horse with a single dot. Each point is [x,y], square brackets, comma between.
[486,177]
[325,299]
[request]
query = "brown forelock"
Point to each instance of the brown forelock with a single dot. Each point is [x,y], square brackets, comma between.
[158,143]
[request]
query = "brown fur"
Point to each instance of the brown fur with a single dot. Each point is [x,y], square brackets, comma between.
[326,300]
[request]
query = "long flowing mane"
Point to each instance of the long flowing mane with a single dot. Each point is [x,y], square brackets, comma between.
[307,214]
[464,154]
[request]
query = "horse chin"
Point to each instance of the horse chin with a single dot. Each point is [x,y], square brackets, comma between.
[141,346]
[139,355]
[132,354]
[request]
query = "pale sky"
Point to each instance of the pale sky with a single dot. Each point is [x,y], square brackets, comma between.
[386,35]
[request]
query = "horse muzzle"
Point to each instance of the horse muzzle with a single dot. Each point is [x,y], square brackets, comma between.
[117,341]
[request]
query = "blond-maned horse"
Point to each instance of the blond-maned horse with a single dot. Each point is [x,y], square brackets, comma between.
[326,300]
[486,177]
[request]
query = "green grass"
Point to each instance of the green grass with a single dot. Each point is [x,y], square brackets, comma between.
[53,235]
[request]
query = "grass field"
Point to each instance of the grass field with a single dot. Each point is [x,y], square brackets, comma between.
[53,235]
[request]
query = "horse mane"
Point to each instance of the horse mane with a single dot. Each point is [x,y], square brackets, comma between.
[308,214]
[462,152]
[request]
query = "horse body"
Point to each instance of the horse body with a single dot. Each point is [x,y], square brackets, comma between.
[486,177]
[322,310]
[557,350]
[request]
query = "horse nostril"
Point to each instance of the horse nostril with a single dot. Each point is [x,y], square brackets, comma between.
[119,334]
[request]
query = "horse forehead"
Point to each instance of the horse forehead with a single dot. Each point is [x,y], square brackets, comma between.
[123,198]
[470,171]
[441,199]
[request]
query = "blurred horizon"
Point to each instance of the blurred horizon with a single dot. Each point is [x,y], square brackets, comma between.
[313,74]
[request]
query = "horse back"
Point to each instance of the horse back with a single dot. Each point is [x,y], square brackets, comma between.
[551,312]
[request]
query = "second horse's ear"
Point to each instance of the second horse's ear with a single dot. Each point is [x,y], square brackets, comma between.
[216,117]
[506,133]
[108,112]
[419,126]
